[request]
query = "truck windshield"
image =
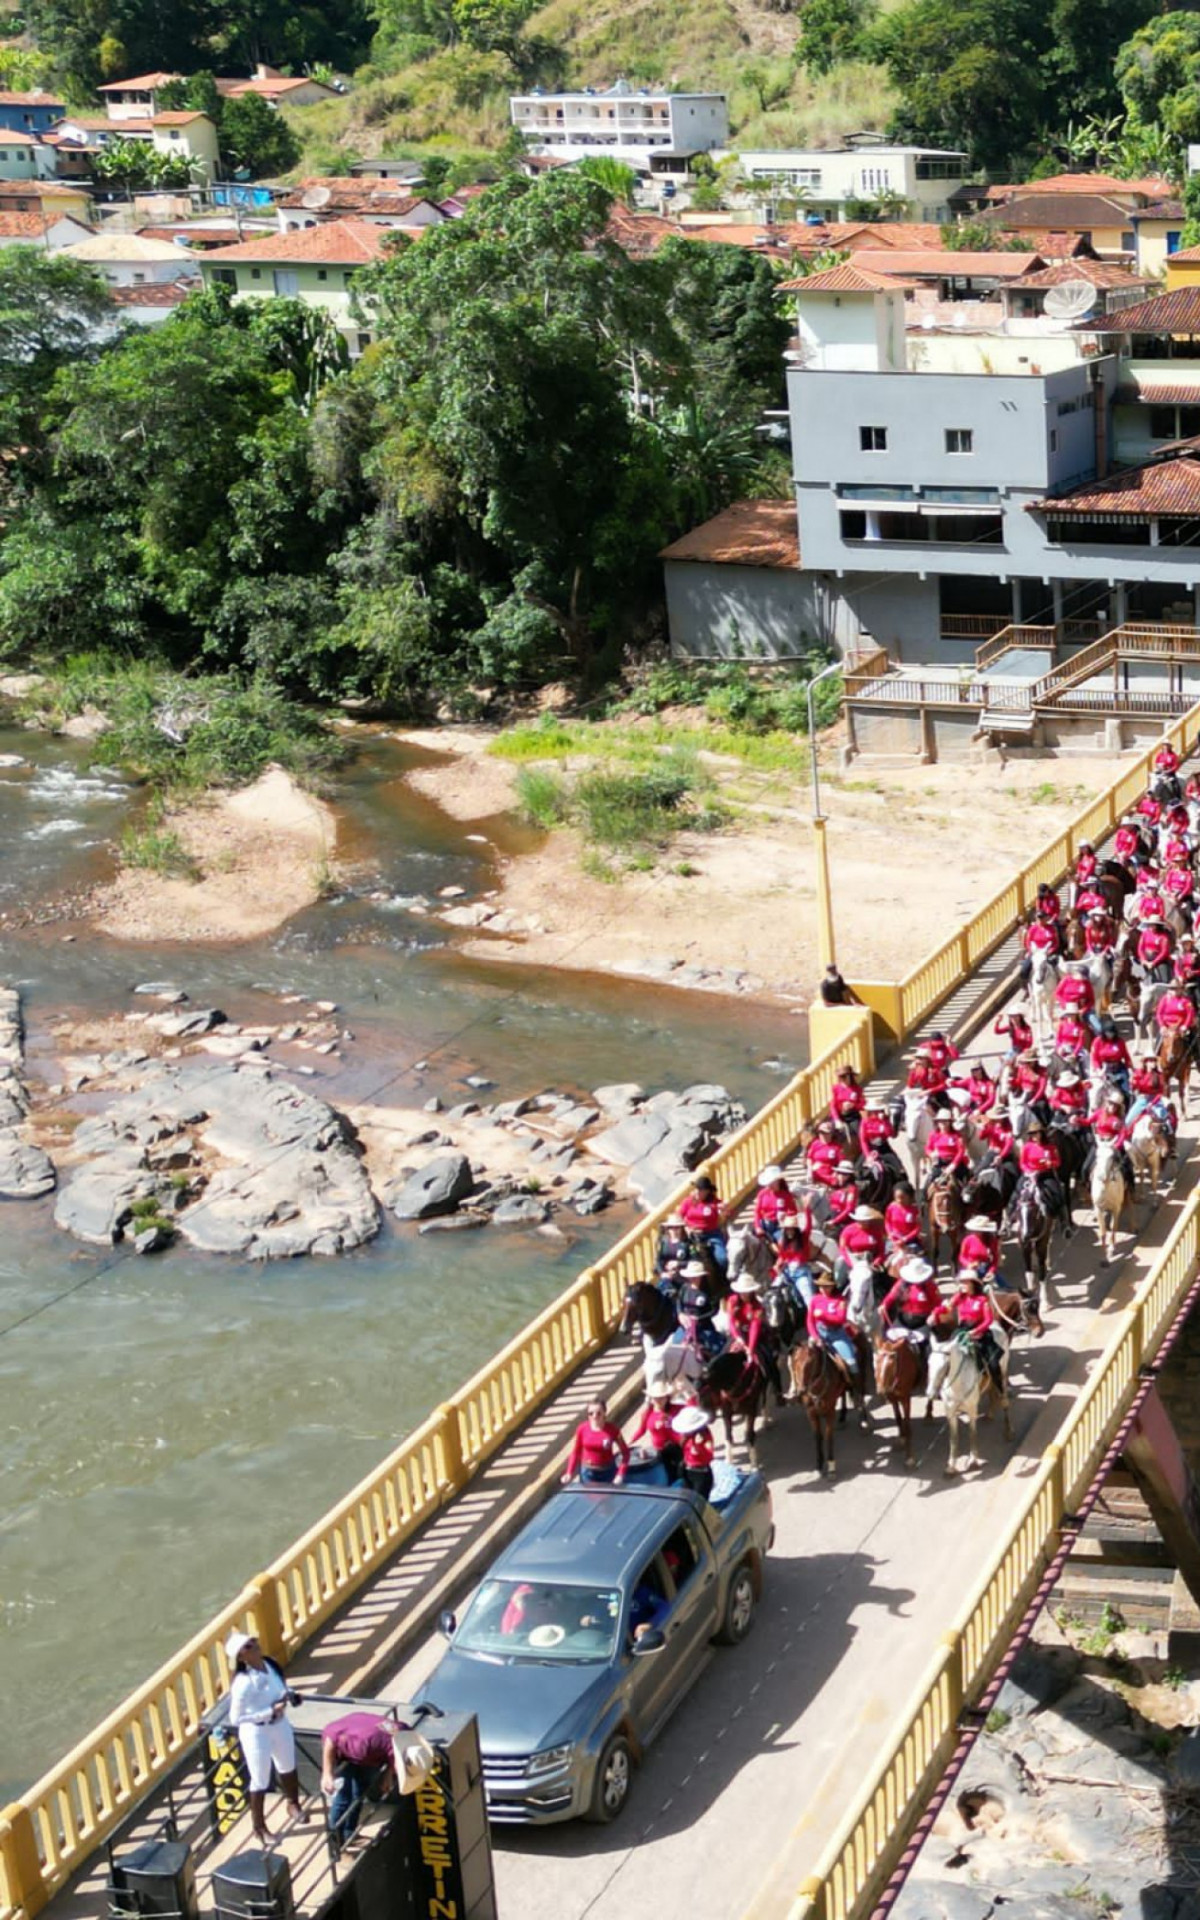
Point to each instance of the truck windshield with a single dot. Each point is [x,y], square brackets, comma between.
[520,1620]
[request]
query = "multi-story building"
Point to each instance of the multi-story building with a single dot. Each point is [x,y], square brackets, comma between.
[652,131]
[832,180]
[30,112]
[317,265]
[137,98]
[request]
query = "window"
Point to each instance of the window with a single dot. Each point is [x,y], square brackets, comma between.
[224,276]
[1162,423]
[960,440]
[1174,236]
[1189,422]
[682,1556]
[256,273]
[873,439]
[322,273]
[1054,439]
[1128,243]
[287,280]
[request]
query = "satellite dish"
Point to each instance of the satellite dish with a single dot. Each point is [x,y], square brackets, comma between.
[1070,300]
[314,197]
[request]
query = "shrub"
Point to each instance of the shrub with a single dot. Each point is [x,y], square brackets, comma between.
[541,797]
[628,810]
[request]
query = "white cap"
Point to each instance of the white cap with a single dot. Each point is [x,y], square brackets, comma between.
[235,1643]
[769,1175]
[690,1420]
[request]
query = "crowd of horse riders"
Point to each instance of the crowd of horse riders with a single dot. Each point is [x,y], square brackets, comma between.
[834,1283]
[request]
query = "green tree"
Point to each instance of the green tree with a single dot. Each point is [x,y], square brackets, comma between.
[1158,72]
[133,166]
[613,175]
[52,310]
[255,139]
[832,31]
[970,74]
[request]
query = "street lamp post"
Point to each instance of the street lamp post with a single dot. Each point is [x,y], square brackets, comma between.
[825,942]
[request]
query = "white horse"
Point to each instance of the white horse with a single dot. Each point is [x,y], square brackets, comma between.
[1149,1148]
[750,1253]
[918,1125]
[1110,1196]
[1145,1024]
[959,1381]
[1099,970]
[676,1362]
[860,1297]
[1043,983]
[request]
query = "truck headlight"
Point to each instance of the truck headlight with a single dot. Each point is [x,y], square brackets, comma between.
[549,1760]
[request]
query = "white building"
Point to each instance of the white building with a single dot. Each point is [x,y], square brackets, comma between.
[830,179]
[130,260]
[135,99]
[650,131]
[23,157]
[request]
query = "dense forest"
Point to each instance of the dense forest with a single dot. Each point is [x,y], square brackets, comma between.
[478,503]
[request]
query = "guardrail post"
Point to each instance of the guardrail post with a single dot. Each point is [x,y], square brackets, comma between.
[595,1300]
[453,1465]
[810,1900]
[955,1691]
[1054,1454]
[263,1597]
[22,1864]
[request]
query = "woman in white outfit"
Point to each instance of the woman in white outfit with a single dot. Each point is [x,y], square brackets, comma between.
[258,1704]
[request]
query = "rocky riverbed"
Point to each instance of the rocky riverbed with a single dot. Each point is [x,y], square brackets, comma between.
[170,1121]
[1082,1799]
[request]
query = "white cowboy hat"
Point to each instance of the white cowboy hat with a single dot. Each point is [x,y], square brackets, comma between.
[1068,1080]
[235,1643]
[691,1420]
[694,1270]
[769,1175]
[981,1224]
[844,1166]
[661,1390]
[548,1635]
[916,1270]
[674,1220]
[745,1283]
[865,1213]
[944,1113]
[959,1096]
[413,1758]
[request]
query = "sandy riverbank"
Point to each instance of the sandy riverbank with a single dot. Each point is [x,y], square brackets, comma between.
[914,851]
[262,854]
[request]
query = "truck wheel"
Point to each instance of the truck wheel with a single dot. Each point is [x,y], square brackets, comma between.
[614,1776]
[739,1607]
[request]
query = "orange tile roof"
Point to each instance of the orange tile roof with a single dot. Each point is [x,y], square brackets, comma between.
[1168,485]
[846,278]
[1097,273]
[40,190]
[1154,187]
[25,226]
[9,138]
[335,243]
[269,88]
[948,263]
[751,533]
[638,233]
[1175,312]
[755,237]
[141,83]
[172,294]
[178,118]
[1051,244]
[37,99]
[899,234]
[381,196]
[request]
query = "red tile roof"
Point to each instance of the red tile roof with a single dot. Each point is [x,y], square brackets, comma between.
[28,226]
[141,83]
[270,88]
[846,278]
[1161,210]
[1168,485]
[1061,245]
[1080,211]
[336,243]
[638,234]
[179,118]
[1159,394]
[1175,312]
[31,100]
[10,139]
[1098,273]
[39,190]
[950,264]
[355,196]
[752,533]
[171,294]
[1152,188]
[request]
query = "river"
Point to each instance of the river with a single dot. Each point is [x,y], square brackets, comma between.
[167,1426]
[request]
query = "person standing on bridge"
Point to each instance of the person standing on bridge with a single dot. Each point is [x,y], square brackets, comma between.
[357,1761]
[258,1702]
[599,1453]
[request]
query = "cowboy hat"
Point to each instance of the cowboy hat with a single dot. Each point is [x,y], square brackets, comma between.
[746,1283]
[691,1420]
[1068,1080]
[845,1166]
[769,1175]
[674,1220]
[981,1224]
[915,1270]
[694,1270]
[660,1390]
[865,1213]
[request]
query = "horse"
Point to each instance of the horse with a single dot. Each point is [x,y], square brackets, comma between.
[962,1383]
[1149,1148]
[944,1207]
[901,1370]
[668,1353]
[1033,1226]
[735,1387]
[918,1125]
[784,1317]
[876,1179]
[1043,983]
[1144,1009]
[991,1188]
[1109,1197]
[1099,970]
[1015,1312]
[752,1253]
[1174,1056]
[819,1382]
[1072,1145]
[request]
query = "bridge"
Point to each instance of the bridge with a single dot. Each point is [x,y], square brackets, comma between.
[795,1779]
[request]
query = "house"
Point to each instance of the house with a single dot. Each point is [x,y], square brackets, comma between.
[735,587]
[277,89]
[23,157]
[191,137]
[382,202]
[402,173]
[135,99]
[1158,231]
[1182,269]
[1126,193]
[35,112]
[653,131]
[132,260]
[1113,287]
[964,286]
[1105,222]
[867,168]
[150,305]
[50,197]
[48,231]
[317,265]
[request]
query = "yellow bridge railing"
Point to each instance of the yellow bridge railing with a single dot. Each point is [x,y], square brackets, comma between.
[866,1849]
[51,1830]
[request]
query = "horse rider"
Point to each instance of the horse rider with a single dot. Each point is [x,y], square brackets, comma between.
[847,1100]
[1069,1101]
[1084,871]
[774,1204]
[915,1299]
[1152,955]
[999,1140]
[864,1237]
[1040,1162]
[1149,1091]
[939,1051]
[697,1308]
[1072,1036]
[969,1311]
[1027,1081]
[1129,840]
[1016,1028]
[843,1197]
[674,1249]
[655,1425]
[876,1132]
[704,1216]
[924,1076]
[979,1247]
[1048,906]
[946,1150]
[902,1221]
[1179,884]
[1100,932]
[829,1321]
[1186,967]
[823,1155]
[1108,1123]
[793,1260]
[1150,809]
[1075,994]
[1166,760]
[979,1088]
[1040,936]
[1109,1055]
[748,1330]
[1176,1014]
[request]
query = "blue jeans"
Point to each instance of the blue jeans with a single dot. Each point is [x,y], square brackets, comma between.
[798,1279]
[345,1809]
[841,1343]
[597,1476]
[715,1242]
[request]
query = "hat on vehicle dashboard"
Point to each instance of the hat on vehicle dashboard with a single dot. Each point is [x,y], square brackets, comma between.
[691,1420]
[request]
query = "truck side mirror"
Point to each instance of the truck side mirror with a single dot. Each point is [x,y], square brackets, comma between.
[652,1642]
[447,1623]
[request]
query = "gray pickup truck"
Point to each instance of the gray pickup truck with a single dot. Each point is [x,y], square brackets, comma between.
[588,1631]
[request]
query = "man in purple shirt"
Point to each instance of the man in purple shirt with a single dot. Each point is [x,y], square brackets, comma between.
[356,1760]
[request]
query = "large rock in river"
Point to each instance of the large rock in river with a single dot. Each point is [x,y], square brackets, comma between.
[436,1189]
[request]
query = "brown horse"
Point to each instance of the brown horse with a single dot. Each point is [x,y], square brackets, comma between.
[1016,1312]
[944,1208]
[734,1387]
[901,1370]
[1175,1055]
[819,1382]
